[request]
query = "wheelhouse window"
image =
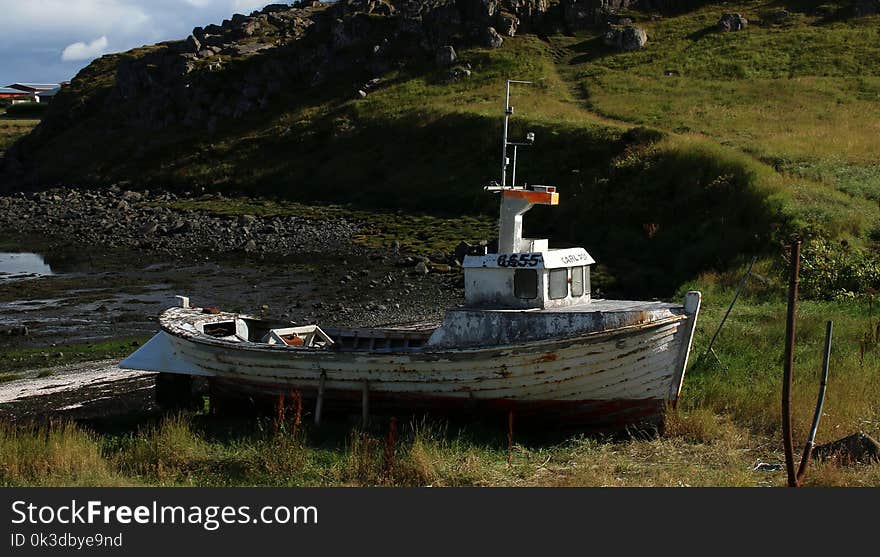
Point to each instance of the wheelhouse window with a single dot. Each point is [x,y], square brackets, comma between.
[577,282]
[525,284]
[558,284]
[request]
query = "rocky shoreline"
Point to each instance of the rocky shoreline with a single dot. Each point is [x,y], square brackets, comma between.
[115,218]
[118,258]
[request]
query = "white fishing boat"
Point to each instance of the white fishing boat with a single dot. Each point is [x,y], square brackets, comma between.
[529,339]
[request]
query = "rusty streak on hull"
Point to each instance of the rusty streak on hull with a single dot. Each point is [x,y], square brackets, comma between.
[593,415]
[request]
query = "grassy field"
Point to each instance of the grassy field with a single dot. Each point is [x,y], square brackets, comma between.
[727,422]
[11,129]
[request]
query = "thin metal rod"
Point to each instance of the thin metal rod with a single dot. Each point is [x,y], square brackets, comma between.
[739,290]
[811,441]
[788,362]
[365,403]
[319,404]
[513,173]
[507,113]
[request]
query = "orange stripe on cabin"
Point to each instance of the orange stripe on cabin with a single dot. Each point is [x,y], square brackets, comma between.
[536,197]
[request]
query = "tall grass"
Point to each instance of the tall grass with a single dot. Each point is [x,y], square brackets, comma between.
[727,422]
[53,454]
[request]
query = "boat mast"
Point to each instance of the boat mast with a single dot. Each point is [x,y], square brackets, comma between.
[508,112]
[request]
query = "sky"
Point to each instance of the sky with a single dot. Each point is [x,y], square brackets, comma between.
[48,41]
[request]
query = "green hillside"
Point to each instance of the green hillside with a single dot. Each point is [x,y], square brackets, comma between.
[681,157]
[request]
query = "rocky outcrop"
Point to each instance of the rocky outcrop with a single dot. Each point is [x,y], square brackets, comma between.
[240,67]
[732,22]
[282,46]
[507,24]
[579,14]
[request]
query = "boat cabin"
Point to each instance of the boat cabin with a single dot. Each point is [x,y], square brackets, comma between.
[525,273]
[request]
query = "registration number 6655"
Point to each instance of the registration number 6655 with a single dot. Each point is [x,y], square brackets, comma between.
[520,260]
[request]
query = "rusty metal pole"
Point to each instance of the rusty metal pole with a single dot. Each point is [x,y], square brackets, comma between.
[788,361]
[811,441]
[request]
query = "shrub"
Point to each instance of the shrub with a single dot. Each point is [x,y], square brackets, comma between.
[837,270]
[27,110]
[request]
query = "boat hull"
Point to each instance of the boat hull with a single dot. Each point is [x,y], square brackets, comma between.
[602,380]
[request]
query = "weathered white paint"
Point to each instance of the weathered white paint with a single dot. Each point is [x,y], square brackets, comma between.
[628,358]
[489,279]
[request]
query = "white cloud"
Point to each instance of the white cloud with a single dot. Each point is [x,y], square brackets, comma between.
[35,31]
[84,51]
[47,17]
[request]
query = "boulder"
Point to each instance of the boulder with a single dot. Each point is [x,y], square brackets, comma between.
[246,220]
[421,268]
[779,16]
[457,73]
[732,22]
[491,38]
[149,228]
[857,448]
[627,38]
[446,55]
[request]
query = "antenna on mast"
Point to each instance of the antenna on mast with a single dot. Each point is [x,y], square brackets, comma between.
[530,139]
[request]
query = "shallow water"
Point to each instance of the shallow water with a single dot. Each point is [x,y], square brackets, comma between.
[23,265]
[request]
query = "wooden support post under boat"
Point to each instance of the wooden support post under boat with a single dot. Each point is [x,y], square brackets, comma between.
[319,403]
[365,404]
